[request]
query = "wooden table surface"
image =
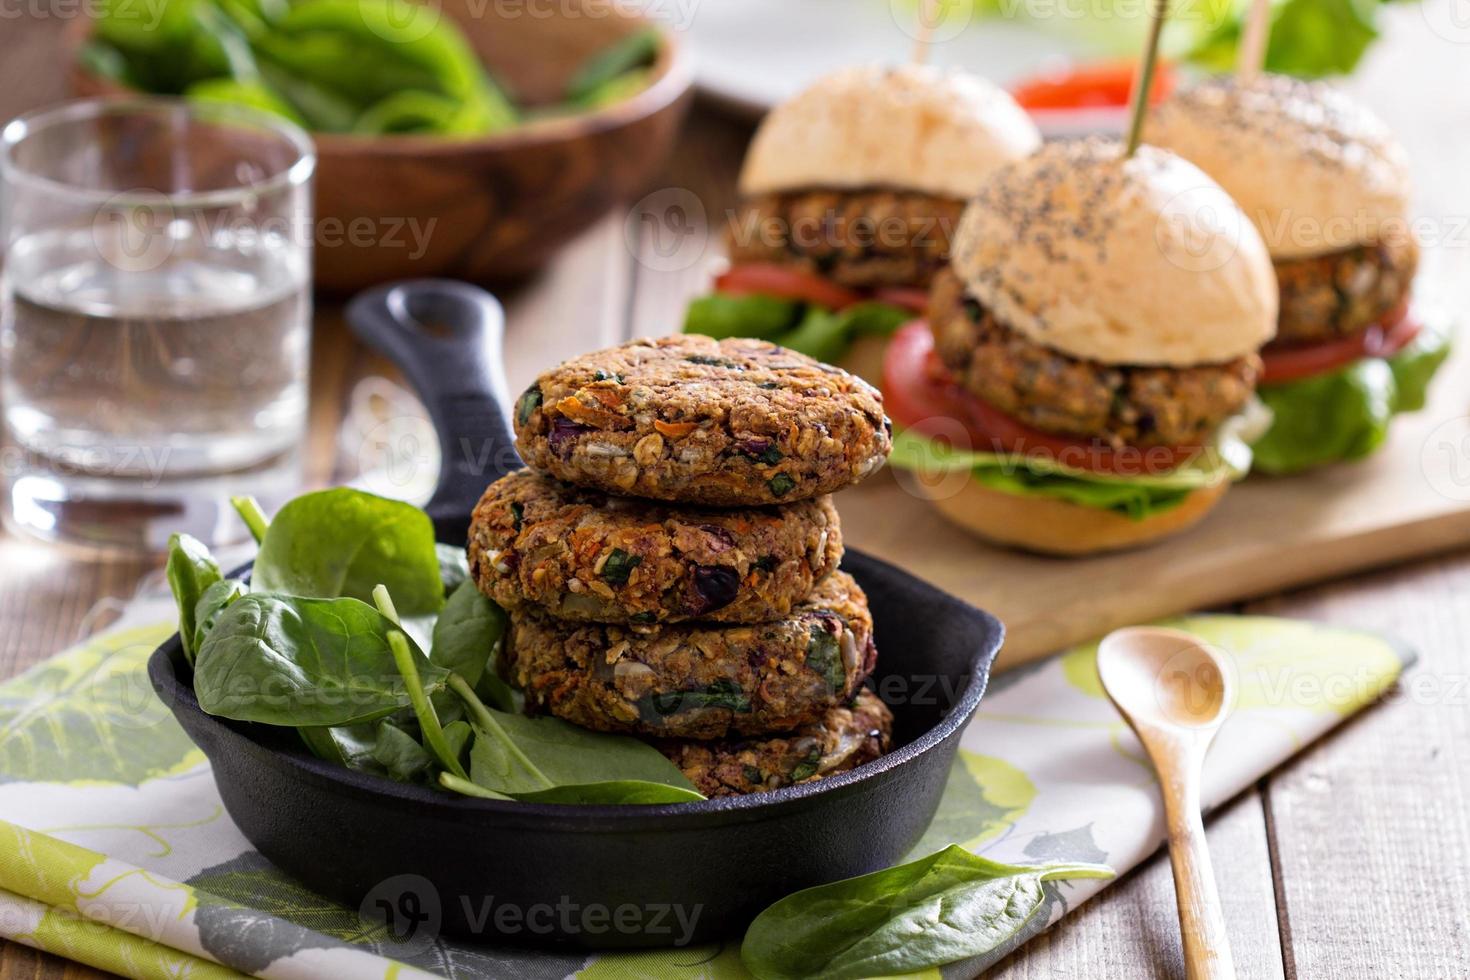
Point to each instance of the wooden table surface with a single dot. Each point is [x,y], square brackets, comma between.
[1353,860]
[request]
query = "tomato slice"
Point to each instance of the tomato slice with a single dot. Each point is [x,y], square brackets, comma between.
[1382,339]
[919,394]
[1108,83]
[769,279]
[910,298]
[910,394]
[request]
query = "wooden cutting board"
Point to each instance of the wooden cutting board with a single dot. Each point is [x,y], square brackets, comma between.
[1412,498]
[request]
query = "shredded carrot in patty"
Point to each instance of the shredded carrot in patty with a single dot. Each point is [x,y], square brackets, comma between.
[674,430]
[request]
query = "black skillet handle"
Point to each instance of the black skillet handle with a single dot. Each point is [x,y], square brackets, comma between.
[446,337]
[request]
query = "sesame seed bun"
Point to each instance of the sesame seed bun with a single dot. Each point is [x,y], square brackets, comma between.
[1142,261]
[912,128]
[1315,171]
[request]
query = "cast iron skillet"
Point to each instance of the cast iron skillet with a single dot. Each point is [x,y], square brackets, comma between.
[456,863]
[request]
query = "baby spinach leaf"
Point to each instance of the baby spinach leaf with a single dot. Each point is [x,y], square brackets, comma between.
[513,754]
[299,662]
[423,708]
[463,786]
[350,746]
[400,754]
[635,50]
[467,633]
[214,601]
[613,791]
[190,571]
[498,694]
[948,906]
[343,542]
[249,510]
[458,735]
[466,637]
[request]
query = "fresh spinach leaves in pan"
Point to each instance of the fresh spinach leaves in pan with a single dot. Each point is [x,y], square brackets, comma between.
[297,662]
[946,907]
[211,605]
[191,571]
[322,643]
[345,542]
[551,760]
[418,696]
[467,633]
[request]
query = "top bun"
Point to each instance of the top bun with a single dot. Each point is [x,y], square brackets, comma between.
[912,127]
[1142,260]
[1314,170]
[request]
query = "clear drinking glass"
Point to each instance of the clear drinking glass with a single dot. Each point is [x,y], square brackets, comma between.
[156,320]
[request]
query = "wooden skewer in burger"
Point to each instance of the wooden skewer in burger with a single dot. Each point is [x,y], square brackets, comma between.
[1085,380]
[1327,185]
[851,192]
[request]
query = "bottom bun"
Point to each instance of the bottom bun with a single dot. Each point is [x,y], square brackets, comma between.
[1056,527]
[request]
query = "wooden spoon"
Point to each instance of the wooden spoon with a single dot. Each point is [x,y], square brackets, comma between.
[1174,691]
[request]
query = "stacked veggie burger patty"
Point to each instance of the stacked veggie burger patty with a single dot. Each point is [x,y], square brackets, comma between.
[669,561]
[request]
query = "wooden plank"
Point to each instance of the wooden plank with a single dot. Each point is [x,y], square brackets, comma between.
[1132,929]
[1370,828]
[19,962]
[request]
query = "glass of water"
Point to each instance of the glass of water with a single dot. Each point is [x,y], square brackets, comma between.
[156,320]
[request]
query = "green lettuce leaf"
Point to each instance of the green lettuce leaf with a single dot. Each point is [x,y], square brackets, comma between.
[1136,495]
[1309,38]
[803,327]
[1345,414]
[720,316]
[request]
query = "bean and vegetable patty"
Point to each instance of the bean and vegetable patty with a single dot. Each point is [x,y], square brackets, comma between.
[865,238]
[1055,392]
[844,738]
[583,555]
[1324,297]
[697,680]
[731,423]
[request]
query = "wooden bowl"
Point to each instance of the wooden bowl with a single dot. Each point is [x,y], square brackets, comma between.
[496,207]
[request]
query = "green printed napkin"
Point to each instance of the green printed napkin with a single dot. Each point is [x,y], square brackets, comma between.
[116,851]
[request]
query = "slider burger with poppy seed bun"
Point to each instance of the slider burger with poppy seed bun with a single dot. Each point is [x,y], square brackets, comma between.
[1327,185]
[851,192]
[1085,380]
